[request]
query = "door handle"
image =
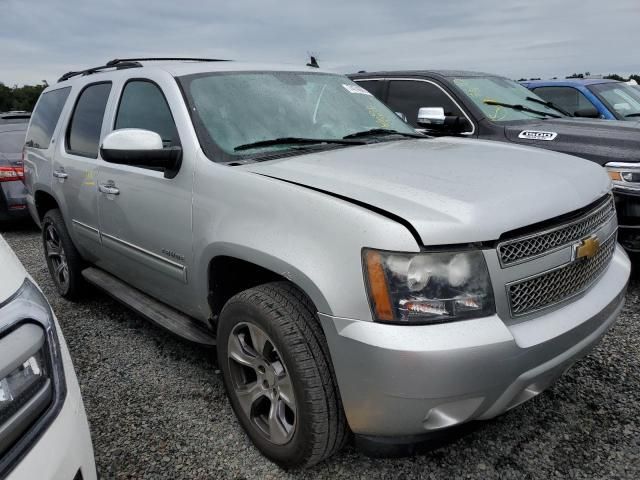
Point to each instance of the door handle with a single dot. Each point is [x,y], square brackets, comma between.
[108,189]
[60,174]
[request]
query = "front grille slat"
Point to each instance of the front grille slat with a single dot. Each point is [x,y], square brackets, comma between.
[555,286]
[515,251]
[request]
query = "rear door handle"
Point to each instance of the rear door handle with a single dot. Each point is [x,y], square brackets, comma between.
[60,174]
[108,189]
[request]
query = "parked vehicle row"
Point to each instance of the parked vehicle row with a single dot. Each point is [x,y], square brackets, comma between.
[13,128]
[44,432]
[606,99]
[355,276]
[485,106]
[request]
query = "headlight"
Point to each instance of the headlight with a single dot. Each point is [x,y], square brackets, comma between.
[32,384]
[624,176]
[427,287]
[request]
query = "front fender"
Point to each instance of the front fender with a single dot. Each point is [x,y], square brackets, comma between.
[311,238]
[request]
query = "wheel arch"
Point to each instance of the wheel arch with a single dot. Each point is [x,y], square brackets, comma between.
[234,268]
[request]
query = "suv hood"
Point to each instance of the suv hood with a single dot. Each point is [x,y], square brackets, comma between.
[451,190]
[599,140]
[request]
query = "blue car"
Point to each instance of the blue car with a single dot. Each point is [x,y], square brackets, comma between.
[590,97]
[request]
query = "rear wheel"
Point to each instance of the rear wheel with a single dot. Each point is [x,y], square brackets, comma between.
[64,261]
[278,375]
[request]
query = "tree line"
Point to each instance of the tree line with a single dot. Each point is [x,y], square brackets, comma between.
[25,97]
[20,98]
[612,76]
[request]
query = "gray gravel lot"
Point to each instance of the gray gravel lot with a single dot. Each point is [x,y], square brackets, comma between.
[158,410]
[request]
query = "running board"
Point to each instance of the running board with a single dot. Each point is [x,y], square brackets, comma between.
[150,308]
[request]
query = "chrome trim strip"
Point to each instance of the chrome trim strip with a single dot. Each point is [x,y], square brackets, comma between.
[145,252]
[473,125]
[634,165]
[84,225]
[559,267]
[606,204]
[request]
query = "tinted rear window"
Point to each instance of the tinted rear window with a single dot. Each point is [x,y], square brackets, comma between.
[83,135]
[45,118]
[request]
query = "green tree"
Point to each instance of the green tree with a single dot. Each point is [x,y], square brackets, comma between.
[6,98]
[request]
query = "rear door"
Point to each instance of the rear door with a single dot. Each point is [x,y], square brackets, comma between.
[146,224]
[75,167]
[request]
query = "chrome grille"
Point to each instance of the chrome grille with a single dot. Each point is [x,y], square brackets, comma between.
[557,285]
[520,249]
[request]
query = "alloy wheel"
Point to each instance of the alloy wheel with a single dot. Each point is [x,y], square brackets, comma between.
[262,383]
[56,257]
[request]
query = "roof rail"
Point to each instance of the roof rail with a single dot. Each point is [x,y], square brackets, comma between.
[118,66]
[117,61]
[122,63]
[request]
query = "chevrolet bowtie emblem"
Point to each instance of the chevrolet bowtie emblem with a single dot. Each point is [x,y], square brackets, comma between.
[587,248]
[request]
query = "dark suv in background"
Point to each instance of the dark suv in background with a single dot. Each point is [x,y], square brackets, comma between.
[13,128]
[491,107]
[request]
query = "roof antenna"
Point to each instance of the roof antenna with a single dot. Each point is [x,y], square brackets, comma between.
[313,62]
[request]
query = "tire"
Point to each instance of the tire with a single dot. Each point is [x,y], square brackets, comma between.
[63,260]
[315,428]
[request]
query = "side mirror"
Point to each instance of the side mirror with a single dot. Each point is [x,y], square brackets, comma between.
[140,148]
[429,116]
[589,112]
[435,120]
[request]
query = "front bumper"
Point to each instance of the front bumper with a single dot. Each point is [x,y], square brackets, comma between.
[398,380]
[64,449]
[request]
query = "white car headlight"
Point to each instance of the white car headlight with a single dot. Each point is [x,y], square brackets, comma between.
[32,386]
[422,288]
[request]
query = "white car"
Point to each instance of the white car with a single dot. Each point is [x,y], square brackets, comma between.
[44,433]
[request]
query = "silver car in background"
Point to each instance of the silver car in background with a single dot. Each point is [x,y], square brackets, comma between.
[354,276]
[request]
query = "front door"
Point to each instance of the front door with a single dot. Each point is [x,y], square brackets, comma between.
[145,217]
[75,168]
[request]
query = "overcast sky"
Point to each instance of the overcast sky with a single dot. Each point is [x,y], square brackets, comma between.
[41,39]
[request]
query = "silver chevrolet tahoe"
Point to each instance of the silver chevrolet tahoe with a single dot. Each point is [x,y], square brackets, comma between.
[355,276]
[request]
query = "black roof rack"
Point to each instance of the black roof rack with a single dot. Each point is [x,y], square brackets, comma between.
[122,63]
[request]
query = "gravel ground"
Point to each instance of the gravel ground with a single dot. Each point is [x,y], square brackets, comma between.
[158,410]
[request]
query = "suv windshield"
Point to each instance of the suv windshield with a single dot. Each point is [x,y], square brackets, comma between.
[620,98]
[481,90]
[232,110]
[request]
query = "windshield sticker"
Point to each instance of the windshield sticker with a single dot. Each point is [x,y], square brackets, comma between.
[537,135]
[355,89]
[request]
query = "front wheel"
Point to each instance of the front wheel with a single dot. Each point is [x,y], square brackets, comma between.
[278,375]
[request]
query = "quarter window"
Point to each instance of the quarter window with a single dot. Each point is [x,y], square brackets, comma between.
[143,105]
[45,118]
[408,96]
[83,136]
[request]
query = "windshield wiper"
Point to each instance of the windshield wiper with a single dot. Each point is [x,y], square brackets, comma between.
[294,141]
[521,108]
[550,105]
[637,114]
[382,131]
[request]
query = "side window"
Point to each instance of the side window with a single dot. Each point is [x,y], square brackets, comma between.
[143,105]
[408,96]
[45,117]
[83,134]
[568,98]
[376,87]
